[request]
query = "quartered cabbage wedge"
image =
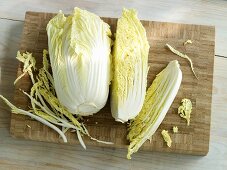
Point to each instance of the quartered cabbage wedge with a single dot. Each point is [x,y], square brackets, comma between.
[130,62]
[158,100]
[79,48]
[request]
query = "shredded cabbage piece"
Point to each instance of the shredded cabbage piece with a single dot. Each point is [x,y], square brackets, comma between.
[185,110]
[23,112]
[175,129]
[166,137]
[158,100]
[183,56]
[188,42]
[29,64]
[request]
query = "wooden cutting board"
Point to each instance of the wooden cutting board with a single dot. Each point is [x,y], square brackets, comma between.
[193,139]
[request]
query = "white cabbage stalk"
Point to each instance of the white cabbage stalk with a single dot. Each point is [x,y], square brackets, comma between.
[158,100]
[130,62]
[79,48]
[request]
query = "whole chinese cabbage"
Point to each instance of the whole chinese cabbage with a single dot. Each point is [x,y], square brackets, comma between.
[79,48]
[130,62]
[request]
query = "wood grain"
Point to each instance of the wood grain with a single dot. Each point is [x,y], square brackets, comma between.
[191,140]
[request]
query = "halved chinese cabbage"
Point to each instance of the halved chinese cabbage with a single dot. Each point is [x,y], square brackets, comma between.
[130,67]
